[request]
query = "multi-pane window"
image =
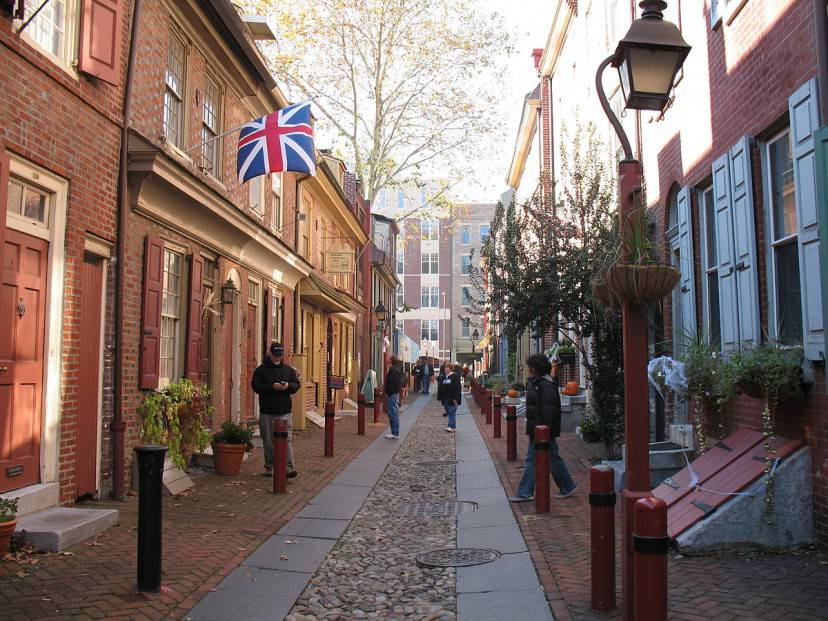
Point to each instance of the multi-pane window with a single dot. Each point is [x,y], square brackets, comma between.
[430,263]
[430,297]
[430,230]
[484,233]
[430,329]
[48,28]
[465,234]
[466,296]
[465,327]
[253,292]
[275,317]
[400,261]
[210,127]
[465,264]
[711,267]
[170,316]
[783,238]
[276,192]
[28,202]
[174,92]
[400,200]
[400,297]
[255,199]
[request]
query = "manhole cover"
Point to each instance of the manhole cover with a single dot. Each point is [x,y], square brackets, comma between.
[457,557]
[436,509]
[438,462]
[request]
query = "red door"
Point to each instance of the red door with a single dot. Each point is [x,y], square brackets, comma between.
[22,327]
[251,349]
[86,459]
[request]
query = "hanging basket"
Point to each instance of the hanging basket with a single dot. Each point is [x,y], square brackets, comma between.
[642,284]
[604,295]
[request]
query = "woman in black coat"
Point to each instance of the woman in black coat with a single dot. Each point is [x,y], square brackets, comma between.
[452,387]
[543,407]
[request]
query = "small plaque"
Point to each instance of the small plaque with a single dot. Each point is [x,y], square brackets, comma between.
[337,382]
[339,262]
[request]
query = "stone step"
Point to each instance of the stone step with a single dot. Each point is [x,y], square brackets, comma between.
[35,498]
[58,528]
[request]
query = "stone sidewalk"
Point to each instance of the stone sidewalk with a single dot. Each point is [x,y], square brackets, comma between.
[735,586]
[208,532]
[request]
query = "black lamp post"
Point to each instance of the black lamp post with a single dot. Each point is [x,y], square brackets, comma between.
[382,316]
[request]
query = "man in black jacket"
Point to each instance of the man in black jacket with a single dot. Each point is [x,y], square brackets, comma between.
[274,381]
[543,407]
[393,385]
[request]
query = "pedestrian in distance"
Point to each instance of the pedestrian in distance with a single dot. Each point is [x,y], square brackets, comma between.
[393,385]
[275,381]
[543,407]
[428,374]
[453,394]
[418,376]
[441,389]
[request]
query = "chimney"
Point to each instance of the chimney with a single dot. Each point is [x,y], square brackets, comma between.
[536,56]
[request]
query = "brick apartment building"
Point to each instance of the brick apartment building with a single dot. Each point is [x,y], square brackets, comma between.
[732,170]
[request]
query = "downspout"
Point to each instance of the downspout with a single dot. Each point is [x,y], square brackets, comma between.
[118,425]
[821,36]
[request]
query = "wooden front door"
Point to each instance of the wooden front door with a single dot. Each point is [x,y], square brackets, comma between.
[252,357]
[22,328]
[86,459]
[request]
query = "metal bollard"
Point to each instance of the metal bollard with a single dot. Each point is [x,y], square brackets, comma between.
[280,446]
[602,536]
[150,483]
[650,542]
[488,407]
[541,440]
[330,412]
[497,416]
[511,433]
[377,405]
[360,414]
[474,390]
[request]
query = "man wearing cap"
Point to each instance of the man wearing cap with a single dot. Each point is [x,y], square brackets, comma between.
[274,381]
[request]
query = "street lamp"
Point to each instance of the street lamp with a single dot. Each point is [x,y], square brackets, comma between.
[648,59]
[382,316]
[228,291]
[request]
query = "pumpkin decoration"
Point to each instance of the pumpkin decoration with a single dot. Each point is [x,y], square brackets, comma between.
[513,393]
[571,388]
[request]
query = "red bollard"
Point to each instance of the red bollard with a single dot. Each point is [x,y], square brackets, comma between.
[488,407]
[377,405]
[496,415]
[511,433]
[650,543]
[360,414]
[280,445]
[602,536]
[541,439]
[330,412]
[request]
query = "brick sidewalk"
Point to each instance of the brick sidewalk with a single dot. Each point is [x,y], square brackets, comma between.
[728,586]
[208,532]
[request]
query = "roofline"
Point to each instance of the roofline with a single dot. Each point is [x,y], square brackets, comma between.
[564,12]
[526,131]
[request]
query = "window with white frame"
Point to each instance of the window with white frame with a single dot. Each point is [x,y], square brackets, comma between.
[51,29]
[465,234]
[710,268]
[430,297]
[400,261]
[170,317]
[400,297]
[484,233]
[253,289]
[254,196]
[465,327]
[465,264]
[724,10]
[174,77]
[276,193]
[465,294]
[430,329]
[783,238]
[211,127]
[430,230]
[28,202]
[430,263]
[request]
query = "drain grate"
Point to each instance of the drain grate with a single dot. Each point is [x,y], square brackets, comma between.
[436,509]
[457,557]
[433,463]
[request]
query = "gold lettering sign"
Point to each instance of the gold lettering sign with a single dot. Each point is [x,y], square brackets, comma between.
[339,262]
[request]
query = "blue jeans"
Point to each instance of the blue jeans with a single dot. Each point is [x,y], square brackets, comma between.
[392,406]
[451,410]
[426,384]
[557,467]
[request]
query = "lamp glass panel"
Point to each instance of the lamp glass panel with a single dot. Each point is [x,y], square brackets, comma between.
[652,70]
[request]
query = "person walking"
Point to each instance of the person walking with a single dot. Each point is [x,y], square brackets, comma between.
[441,389]
[453,394]
[275,381]
[393,385]
[428,373]
[543,407]
[418,376]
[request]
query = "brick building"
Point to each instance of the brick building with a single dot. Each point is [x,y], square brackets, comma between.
[731,169]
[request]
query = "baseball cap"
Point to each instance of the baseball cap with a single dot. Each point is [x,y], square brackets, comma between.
[277,349]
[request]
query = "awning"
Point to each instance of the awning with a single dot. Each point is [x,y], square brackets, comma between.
[321,294]
[484,342]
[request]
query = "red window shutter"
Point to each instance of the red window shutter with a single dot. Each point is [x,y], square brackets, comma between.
[99,51]
[192,368]
[151,316]
[4,198]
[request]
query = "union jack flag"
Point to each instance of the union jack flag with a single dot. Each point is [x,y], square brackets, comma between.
[280,141]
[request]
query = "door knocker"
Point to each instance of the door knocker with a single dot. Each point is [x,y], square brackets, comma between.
[21,308]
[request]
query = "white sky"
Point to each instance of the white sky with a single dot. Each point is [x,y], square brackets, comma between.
[529,22]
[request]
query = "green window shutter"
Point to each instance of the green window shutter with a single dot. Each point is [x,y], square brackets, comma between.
[723,207]
[804,117]
[687,281]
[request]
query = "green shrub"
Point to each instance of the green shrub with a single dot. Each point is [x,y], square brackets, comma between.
[8,509]
[233,433]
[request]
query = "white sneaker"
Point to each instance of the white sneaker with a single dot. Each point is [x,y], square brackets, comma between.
[449,429]
[391,436]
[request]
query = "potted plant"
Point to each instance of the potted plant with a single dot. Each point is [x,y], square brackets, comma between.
[229,446]
[177,417]
[590,430]
[769,371]
[566,355]
[8,522]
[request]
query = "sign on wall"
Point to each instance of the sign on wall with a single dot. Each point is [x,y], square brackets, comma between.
[339,262]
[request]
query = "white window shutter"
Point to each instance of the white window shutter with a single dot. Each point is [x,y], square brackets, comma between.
[804,117]
[744,238]
[723,207]
[687,280]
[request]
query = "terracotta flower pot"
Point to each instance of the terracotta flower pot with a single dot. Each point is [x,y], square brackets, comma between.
[6,531]
[227,458]
[642,284]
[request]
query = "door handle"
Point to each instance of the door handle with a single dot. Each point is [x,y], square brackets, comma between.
[741,265]
[3,369]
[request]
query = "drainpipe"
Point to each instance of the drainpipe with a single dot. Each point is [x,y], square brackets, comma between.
[118,425]
[821,37]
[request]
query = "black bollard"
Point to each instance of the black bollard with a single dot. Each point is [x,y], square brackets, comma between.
[150,473]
